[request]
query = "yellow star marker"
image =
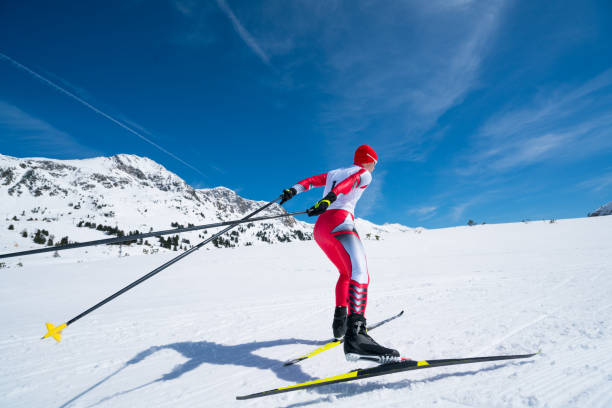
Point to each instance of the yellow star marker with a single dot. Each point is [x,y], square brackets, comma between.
[54,332]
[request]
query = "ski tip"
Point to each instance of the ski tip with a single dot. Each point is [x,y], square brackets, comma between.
[294,361]
[54,331]
[537,353]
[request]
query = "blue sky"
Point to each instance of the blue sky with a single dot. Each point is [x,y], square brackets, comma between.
[495,111]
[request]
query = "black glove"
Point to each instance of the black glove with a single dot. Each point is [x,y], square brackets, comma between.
[288,194]
[322,205]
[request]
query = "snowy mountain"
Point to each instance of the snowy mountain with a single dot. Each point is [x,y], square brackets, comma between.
[605,209]
[93,198]
[47,202]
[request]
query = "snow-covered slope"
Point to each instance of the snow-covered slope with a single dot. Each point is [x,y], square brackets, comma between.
[220,323]
[84,199]
[605,209]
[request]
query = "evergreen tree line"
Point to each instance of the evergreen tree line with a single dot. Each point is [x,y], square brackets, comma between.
[108,230]
[169,243]
[42,237]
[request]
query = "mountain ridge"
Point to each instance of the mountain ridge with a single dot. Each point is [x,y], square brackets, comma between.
[605,209]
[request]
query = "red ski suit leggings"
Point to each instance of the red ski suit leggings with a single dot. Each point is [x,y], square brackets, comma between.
[335,233]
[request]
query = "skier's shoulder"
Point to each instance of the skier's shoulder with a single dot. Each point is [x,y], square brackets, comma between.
[365,178]
[347,171]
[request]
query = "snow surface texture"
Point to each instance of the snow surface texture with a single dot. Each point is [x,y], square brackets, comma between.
[220,323]
[605,209]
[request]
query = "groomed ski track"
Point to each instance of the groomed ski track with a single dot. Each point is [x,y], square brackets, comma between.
[222,322]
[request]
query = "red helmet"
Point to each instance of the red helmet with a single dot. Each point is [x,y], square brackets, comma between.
[365,154]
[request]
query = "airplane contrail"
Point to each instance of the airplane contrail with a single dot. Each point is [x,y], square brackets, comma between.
[98,111]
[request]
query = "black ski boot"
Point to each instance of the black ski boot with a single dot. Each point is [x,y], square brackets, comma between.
[358,345]
[339,323]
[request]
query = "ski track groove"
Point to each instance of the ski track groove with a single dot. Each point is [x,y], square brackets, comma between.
[560,385]
[602,397]
[552,385]
[519,328]
[509,305]
[569,383]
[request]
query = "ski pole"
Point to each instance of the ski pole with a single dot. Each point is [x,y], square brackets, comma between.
[55,331]
[144,235]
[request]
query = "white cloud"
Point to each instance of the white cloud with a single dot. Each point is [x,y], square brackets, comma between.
[194,30]
[447,5]
[198,31]
[372,197]
[458,210]
[404,77]
[599,183]
[186,7]
[31,133]
[96,110]
[377,65]
[423,212]
[462,201]
[248,39]
[558,125]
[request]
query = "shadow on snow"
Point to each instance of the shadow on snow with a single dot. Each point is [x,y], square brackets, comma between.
[201,352]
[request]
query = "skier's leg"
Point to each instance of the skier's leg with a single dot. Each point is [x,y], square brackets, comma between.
[342,289]
[360,278]
[357,342]
[341,259]
[335,251]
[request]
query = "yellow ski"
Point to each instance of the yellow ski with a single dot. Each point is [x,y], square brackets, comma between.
[359,374]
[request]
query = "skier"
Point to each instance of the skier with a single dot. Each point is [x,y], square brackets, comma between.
[335,233]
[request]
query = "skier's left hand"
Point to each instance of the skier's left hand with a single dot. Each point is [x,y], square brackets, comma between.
[322,205]
[288,194]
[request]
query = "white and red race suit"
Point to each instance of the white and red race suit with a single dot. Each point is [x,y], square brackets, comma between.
[335,233]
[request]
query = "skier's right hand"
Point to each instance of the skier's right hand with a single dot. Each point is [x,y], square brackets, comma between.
[322,205]
[288,194]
